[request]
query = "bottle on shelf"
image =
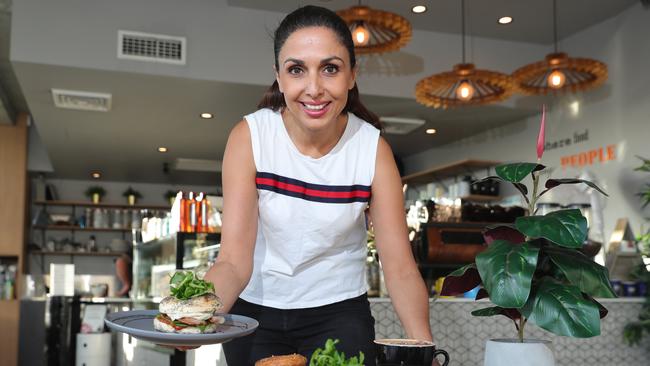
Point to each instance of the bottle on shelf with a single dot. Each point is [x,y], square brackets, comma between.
[2,282]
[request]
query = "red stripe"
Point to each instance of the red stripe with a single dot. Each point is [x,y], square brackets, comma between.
[311,192]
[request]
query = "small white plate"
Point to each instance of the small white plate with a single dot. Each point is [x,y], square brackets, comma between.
[139,324]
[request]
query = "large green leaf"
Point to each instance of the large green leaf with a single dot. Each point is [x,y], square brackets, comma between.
[563,310]
[516,172]
[567,228]
[507,270]
[589,276]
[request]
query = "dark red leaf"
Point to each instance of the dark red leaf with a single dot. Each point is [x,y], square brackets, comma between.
[482,294]
[503,232]
[513,314]
[552,183]
[457,285]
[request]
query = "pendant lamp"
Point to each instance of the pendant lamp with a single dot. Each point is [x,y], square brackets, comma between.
[376,31]
[558,72]
[464,85]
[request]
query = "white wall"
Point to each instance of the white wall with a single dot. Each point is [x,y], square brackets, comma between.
[616,114]
[225,43]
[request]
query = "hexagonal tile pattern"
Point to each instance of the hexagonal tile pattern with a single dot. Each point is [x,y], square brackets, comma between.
[464,336]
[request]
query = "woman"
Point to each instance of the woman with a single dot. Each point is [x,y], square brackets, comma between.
[297,177]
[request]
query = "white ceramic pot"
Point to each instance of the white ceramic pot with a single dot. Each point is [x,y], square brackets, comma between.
[511,352]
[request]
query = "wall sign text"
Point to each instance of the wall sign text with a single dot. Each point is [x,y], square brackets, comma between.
[590,157]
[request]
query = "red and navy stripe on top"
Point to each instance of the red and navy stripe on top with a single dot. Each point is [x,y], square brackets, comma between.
[312,192]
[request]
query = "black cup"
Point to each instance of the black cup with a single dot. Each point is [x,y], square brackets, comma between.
[407,352]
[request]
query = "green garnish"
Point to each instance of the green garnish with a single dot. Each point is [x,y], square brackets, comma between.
[331,357]
[179,324]
[185,285]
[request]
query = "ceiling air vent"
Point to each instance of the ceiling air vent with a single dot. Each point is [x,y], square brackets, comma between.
[399,125]
[151,47]
[81,100]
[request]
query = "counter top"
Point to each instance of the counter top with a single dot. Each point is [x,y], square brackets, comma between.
[465,299]
[156,300]
[101,300]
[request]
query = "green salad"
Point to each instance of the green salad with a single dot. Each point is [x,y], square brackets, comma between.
[331,357]
[184,285]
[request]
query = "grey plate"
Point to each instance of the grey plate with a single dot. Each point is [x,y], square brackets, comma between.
[139,324]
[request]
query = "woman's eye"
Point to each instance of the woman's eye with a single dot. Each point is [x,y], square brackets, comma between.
[331,69]
[294,70]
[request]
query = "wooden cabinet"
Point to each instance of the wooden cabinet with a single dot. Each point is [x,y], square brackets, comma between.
[452,243]
[13,202]
[9,320]
[13,184]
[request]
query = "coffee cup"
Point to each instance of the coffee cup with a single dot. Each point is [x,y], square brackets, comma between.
[407,352]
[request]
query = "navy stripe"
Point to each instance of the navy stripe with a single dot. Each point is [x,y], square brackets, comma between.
[311,198]
[319,187]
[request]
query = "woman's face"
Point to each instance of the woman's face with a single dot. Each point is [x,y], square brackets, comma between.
[315,74]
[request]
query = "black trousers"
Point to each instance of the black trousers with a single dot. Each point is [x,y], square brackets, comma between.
[301,331]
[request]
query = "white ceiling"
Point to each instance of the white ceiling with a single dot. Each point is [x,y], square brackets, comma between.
[152,110]
[533,21]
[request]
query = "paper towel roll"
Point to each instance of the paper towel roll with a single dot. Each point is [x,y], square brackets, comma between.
[61,279]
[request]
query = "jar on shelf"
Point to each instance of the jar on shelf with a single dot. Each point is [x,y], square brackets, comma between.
[116,219]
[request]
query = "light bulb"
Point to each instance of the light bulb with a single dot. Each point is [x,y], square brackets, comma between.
[556,79]
[360,35]
[465,91]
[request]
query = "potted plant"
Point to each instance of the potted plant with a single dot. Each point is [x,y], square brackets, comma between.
[534,272]
[131,195]
[634,331]
[170,196]
[95,193]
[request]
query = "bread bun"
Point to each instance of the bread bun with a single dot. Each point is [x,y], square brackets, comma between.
[288,360]
[164,327]
[208,303]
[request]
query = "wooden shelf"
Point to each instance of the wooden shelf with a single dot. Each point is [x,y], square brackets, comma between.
[461,167]
[88,254]
[77,228]
[480,198]
[101,205]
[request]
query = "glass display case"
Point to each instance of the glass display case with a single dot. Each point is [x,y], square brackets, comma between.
[155,260]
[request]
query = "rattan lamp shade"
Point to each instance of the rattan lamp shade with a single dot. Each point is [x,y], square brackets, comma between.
[579,74]
[441,90]
[387,31]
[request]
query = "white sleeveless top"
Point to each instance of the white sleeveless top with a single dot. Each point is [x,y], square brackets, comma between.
[311,235]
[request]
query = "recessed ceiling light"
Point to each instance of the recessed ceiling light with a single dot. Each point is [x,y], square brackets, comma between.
[162,149]
[430,131]
[96,175]
[206,115]
[418,9]
[505,20]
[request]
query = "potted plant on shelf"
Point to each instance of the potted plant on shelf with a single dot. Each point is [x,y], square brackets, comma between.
[95,193]
[170,196]
[131,195]
[534,272]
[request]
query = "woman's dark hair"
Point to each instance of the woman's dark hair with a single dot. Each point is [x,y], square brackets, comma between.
[316,16]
